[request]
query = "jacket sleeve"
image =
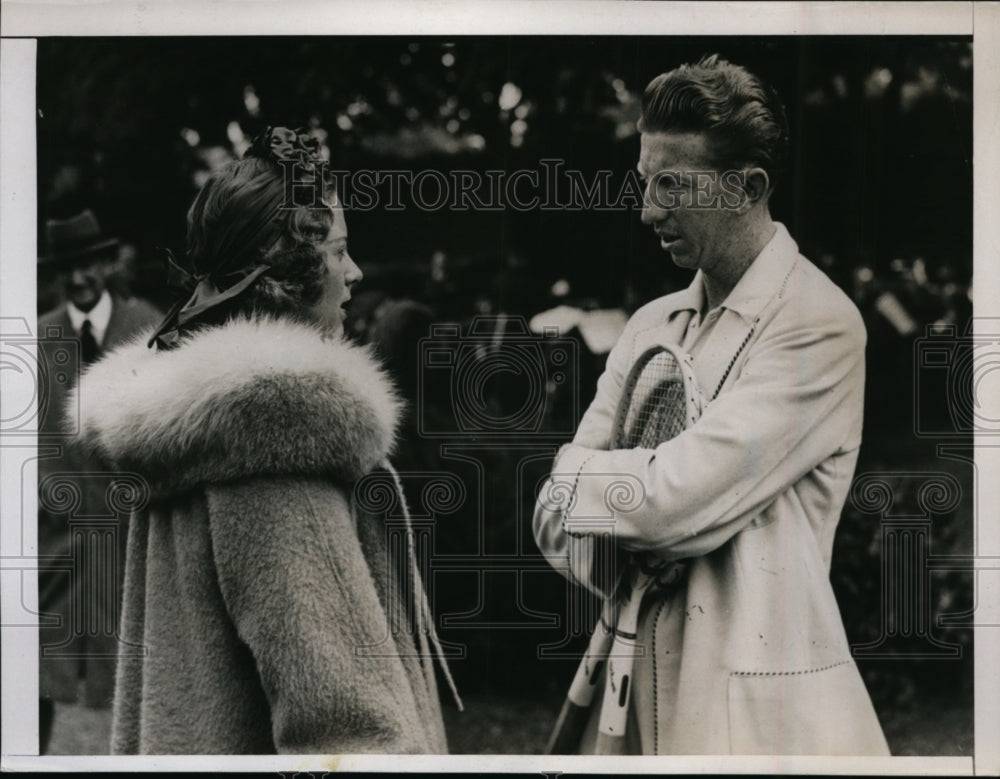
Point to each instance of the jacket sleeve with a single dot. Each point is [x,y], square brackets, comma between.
[302,598]
[796,402]
[584,558]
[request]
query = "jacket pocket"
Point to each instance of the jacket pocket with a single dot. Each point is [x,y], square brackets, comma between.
[821,711]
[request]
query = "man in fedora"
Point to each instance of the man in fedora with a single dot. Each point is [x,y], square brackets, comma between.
[81,546]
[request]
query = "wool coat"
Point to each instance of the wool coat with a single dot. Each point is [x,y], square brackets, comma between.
[748,654]
[79,590]
[265,610]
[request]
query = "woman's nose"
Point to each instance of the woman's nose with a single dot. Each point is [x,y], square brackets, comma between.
[354,273]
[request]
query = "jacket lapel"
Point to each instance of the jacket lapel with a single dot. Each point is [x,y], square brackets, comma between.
[118,325]
[63,323]
[725,344]
[669,332]
[744,307]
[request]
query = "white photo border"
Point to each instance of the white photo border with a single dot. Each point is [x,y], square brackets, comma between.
[23,22]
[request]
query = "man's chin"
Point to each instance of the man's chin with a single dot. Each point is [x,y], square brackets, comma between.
[682,259]
[84,304]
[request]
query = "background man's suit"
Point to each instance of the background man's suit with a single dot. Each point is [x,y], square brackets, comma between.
[78,594]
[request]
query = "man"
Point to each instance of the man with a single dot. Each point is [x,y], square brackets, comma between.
[747,654]
[79,585]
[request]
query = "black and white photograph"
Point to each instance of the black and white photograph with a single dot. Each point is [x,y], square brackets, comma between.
[571,387]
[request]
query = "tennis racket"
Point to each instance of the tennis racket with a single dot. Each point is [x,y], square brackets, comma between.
[660,398]
[569,727]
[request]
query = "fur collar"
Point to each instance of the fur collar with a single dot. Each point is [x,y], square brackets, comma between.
[262,397]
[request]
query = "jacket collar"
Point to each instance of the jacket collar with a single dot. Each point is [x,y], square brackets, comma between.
[741,310]
[255,397]
[758,284]
[763,279]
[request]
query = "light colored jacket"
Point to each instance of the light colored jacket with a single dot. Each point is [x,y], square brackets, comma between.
[749,654]
[264,610]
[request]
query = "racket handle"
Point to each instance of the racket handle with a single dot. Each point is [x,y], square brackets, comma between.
[588,673]
[617,692]
[609,745]
[621,664]
[566,736]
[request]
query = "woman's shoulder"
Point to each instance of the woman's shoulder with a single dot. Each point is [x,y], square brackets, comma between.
[253,398]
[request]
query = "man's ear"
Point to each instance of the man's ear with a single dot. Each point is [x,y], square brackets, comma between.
[756,189]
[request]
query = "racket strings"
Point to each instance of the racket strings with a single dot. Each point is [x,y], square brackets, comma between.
[657,409]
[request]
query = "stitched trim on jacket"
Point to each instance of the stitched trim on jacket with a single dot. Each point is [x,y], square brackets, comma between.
[656,697]
[576,484]
[732,362]
[790,673]
[753,329]
[634,351]
[784,283]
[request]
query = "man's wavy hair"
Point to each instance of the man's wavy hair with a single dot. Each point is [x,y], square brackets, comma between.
[297,268]
[742,117]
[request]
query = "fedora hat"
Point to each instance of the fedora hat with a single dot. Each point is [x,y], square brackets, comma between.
[76,238]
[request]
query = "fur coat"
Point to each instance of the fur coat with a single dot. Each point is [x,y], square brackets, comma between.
[263,610]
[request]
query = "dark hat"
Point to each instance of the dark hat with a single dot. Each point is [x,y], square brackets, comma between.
[75,238]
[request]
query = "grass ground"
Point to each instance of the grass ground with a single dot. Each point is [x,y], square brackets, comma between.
[521,726]
[77,730]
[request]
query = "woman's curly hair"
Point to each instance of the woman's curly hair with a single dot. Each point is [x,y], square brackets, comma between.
[297,268]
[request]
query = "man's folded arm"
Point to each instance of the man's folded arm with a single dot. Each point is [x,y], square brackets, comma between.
[574,556]
[795,404]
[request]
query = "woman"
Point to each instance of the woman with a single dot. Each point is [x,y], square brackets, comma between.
[264,610]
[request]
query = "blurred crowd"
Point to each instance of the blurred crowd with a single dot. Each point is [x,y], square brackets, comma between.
[399,302]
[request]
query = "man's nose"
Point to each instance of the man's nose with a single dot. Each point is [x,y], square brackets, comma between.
[79,277]
[651,211]
[649,214]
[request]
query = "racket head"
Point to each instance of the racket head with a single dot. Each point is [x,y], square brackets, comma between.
[660,399]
